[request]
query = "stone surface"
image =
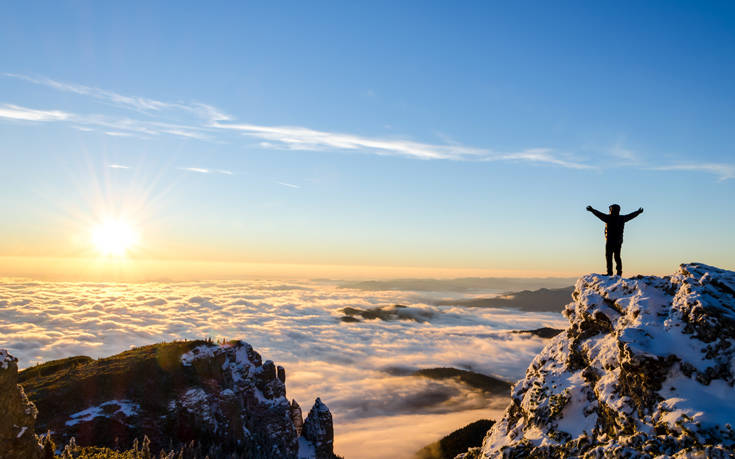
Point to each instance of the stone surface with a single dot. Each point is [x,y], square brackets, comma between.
[17,415]
[297,417]
[646,368]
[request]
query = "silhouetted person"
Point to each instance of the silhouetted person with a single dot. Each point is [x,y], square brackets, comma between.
[614,224]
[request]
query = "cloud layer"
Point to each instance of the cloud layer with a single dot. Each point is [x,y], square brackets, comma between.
[295,324]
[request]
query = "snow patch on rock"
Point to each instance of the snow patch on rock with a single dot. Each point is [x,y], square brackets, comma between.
[6,359]
[251,397]
[109,409]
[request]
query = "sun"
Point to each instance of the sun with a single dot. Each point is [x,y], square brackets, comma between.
[114,238]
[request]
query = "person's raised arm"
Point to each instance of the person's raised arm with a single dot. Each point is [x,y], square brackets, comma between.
[597,213]
[633,215]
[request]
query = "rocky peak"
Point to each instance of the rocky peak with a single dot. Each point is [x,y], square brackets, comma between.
[18,419]
[645,368]
[318,429]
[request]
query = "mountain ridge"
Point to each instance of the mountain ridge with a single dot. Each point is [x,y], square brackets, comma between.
[223,397]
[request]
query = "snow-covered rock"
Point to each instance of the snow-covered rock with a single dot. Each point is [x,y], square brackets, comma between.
[645,369]
[249,403]
[318,429]
[17,414]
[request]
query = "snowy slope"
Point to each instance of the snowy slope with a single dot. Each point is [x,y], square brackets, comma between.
[645,368]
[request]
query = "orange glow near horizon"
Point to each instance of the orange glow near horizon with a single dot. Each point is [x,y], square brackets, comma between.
[133,268]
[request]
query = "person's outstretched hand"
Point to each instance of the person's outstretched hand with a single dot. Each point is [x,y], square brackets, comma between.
[590,208]
[640,209]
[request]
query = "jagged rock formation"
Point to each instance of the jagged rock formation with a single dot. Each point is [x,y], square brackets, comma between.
[646,368]
[318,429]
[17,421]
[223,398]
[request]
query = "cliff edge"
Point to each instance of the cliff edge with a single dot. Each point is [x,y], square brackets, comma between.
[645,368]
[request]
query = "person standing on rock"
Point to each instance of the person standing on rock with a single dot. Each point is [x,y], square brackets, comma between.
[614,224]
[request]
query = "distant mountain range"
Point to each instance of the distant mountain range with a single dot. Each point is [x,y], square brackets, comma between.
[541,300]
[460,285]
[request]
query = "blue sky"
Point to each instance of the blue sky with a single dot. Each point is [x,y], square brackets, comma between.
[416,134]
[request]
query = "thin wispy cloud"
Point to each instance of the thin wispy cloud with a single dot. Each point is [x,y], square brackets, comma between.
[289,185]
[122,127]
[118,134]
[16,112]
[541,156]
[301,138]
[723,171]
[142,104]
[201,170]
[624,156]
[117,166]
[195,169]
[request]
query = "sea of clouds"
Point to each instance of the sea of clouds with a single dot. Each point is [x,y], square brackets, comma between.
[378,411]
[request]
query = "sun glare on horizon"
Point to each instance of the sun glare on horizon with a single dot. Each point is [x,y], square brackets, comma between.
[114,238]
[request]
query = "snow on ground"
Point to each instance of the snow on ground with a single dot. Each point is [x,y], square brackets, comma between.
[108,409]
[306,449]
[296,324]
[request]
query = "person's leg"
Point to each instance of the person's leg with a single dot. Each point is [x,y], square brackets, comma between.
[618,260]
[608,257]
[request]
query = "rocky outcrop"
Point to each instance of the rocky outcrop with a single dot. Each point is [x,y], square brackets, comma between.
[17,421]
[222,397]
[297,417]
[460,440]
[319,431]
[646,368]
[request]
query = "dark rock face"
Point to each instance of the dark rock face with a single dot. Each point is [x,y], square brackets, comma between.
[223,397]
[543,332]
[319,431]
[456,442]
[645,369]
[17,414]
